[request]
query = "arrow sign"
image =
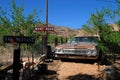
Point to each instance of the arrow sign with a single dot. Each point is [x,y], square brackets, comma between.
[49,28]
[39,29]
[44,29]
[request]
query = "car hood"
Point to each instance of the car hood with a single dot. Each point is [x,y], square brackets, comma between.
[77,46]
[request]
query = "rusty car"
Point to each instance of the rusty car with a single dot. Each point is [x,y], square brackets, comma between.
[79,47]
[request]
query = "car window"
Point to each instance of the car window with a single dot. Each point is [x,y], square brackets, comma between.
[83,39]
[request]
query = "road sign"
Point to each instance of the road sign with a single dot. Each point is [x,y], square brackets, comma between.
[18,39]
[39,29]
[51,29]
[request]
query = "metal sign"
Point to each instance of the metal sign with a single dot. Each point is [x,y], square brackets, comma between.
[49,28]
[44,29]
[39,29]
[18,39]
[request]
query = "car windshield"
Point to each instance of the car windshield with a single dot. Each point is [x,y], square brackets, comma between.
[83,40]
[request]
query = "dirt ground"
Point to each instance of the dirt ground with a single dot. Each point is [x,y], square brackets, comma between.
[69,70]
[72,70]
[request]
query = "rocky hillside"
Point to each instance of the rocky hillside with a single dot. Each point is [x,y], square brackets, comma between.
[65,31]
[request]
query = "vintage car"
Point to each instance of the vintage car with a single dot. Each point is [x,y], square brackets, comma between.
[79,47]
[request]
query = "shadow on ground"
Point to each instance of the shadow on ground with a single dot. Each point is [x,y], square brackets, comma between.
[48,75]
[79,60]
[81,77]
[104,61]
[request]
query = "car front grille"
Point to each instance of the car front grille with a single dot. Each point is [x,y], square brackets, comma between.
[75,51]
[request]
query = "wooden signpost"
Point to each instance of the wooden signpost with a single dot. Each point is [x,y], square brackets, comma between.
[16,59]
[44,37]
[19,39]
[44,29]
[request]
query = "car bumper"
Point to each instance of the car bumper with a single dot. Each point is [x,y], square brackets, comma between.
[73,56]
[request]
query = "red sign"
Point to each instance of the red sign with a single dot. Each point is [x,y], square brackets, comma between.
[44,29]
[49,28]
[39,29]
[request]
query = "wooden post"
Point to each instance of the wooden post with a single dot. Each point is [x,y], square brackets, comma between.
[16,59]
[62,40]
[46,34]
[56,41]
[16,64]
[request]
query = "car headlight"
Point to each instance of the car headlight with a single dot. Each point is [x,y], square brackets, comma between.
[59,51]
[92,52]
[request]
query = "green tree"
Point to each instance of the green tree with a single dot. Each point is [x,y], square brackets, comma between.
[110,39]
[13,22]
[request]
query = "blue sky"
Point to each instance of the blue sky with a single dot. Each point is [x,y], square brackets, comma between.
[68,13]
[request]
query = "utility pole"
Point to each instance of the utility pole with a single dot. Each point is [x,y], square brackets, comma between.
[46,33]
[46,13]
